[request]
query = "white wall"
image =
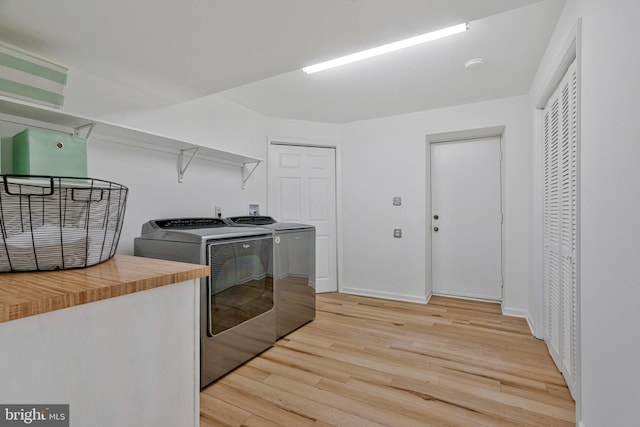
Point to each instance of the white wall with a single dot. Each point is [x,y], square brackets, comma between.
[305,131]
[152,175]
[89,95]
[610,201]
[387,157]
[609,189]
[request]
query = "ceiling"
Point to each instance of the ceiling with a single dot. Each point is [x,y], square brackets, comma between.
[251,51]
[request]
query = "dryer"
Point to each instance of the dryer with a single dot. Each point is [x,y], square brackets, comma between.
[294,271]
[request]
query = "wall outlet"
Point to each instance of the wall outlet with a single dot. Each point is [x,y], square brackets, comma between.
[397,233]
[218,212]
[397,201]
[254,210]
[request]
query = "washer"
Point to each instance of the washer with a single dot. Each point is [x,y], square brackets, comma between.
[295,270]
[237,316]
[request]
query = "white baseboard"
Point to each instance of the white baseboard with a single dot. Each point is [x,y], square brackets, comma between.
[467,296]
[428,298]
[520,313]
[424,300]
[514,312]
[386,295]
[532,327]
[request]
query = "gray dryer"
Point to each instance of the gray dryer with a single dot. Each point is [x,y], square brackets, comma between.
[294,270]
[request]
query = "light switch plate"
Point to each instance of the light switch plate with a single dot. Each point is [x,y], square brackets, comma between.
[397,201]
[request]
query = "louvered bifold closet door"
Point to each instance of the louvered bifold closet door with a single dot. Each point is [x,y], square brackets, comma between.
[560,219]
[568,227]
[553,303]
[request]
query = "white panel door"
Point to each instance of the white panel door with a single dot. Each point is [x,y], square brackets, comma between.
[466,219]
[303,189]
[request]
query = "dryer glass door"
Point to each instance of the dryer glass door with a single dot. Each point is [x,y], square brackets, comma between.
[240,283]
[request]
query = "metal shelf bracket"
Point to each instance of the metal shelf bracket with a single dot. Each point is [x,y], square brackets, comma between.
[182,168]
[247,172]
[76,131]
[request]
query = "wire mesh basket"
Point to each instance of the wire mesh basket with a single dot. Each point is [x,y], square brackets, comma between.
[58,223]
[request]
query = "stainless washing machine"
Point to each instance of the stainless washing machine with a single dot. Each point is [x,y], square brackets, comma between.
[236,300]
[295,270]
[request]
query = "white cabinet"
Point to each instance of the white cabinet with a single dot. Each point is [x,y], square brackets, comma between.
[131,360]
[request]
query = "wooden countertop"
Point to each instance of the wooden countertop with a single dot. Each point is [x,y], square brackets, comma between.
[28,294]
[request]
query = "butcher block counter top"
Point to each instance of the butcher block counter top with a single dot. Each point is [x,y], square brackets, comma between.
[131,349]
[29,294]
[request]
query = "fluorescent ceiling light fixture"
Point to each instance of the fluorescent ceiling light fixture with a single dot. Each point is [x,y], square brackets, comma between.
[390,47]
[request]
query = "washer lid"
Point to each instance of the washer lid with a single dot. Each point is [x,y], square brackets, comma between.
[267,222]
[285,226]
[196,230]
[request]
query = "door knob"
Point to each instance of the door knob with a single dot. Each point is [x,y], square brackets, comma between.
[436,216]
[435,229]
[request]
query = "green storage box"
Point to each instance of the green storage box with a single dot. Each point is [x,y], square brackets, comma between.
[38,152]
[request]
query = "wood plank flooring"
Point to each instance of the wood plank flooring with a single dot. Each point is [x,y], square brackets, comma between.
[373,362]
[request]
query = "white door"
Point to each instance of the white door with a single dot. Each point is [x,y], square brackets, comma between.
[466,218]
[560,225]
[302,183]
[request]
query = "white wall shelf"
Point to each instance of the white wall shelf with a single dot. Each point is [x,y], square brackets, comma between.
[28,114]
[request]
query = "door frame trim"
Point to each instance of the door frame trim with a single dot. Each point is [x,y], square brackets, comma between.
[462,135]
[302,142]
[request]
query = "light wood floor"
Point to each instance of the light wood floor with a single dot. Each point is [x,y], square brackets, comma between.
[370,362]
